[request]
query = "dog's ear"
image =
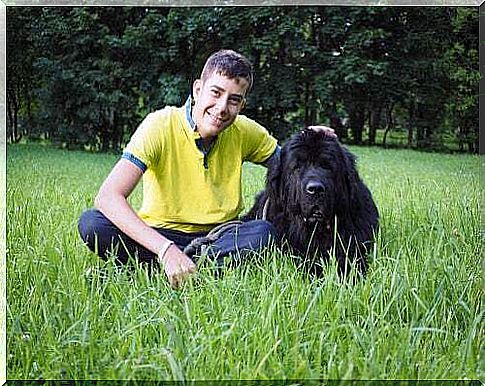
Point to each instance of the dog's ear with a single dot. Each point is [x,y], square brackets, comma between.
[347,180]
[273,177]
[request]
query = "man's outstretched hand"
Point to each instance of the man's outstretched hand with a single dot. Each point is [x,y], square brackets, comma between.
[178,266]
[328,131]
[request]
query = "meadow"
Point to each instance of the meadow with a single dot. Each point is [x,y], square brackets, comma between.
[417,315]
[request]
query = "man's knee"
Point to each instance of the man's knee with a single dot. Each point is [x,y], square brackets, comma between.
[91,223]
[265,230]
[266,227]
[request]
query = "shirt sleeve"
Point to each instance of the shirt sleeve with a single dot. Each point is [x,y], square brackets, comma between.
[273,158]
[259,145]
[146,143]
[134,160]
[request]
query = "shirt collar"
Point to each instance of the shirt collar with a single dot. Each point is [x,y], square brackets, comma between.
[188,113]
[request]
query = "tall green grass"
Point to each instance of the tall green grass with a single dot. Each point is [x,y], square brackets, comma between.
[417,315]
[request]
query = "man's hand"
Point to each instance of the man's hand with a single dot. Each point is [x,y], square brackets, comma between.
[178,266]
[328,131]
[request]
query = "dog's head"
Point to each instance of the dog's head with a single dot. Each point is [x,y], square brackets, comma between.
[312,177]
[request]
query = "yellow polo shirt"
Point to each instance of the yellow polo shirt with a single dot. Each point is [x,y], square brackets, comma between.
[181,189]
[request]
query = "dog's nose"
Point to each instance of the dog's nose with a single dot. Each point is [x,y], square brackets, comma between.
[314,187]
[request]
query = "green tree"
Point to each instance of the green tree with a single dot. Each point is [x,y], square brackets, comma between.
[88,89]
[21,79]
[88,76]
[462,60]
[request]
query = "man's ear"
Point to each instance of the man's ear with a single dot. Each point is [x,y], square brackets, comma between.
[196,87]
[243,104]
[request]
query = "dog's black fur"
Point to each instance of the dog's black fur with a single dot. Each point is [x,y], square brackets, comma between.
[318,203]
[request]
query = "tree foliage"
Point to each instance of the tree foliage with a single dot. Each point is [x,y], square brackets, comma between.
[86,76]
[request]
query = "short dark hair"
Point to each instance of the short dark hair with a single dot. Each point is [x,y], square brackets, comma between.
[229,63]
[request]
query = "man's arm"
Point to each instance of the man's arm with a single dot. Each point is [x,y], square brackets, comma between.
[273,157]
[111,200]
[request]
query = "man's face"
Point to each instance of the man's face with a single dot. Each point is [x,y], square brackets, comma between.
[218,101]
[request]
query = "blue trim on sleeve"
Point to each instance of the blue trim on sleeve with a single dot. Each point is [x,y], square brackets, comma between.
[136,161]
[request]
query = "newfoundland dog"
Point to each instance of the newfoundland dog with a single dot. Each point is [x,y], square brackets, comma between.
[318,204]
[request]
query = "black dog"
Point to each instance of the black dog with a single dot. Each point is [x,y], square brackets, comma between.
[318,203]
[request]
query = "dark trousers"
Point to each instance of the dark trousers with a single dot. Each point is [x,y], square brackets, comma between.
[105,239]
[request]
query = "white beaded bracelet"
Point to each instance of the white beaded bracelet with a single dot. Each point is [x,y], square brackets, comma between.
[163,250]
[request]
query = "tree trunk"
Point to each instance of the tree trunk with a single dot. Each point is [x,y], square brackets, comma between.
[460,137]
[13,107]
[374,122]
[28,128]
[390,123]
[336,122]
[10,125]
[421,122]
[307,104]
[410,123]
[357,121]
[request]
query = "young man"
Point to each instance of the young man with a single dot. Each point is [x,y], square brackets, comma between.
[191,160]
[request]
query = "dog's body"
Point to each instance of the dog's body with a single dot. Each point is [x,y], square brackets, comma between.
[318,203]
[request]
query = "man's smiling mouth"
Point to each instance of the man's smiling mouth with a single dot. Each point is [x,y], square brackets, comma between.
[218,121]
